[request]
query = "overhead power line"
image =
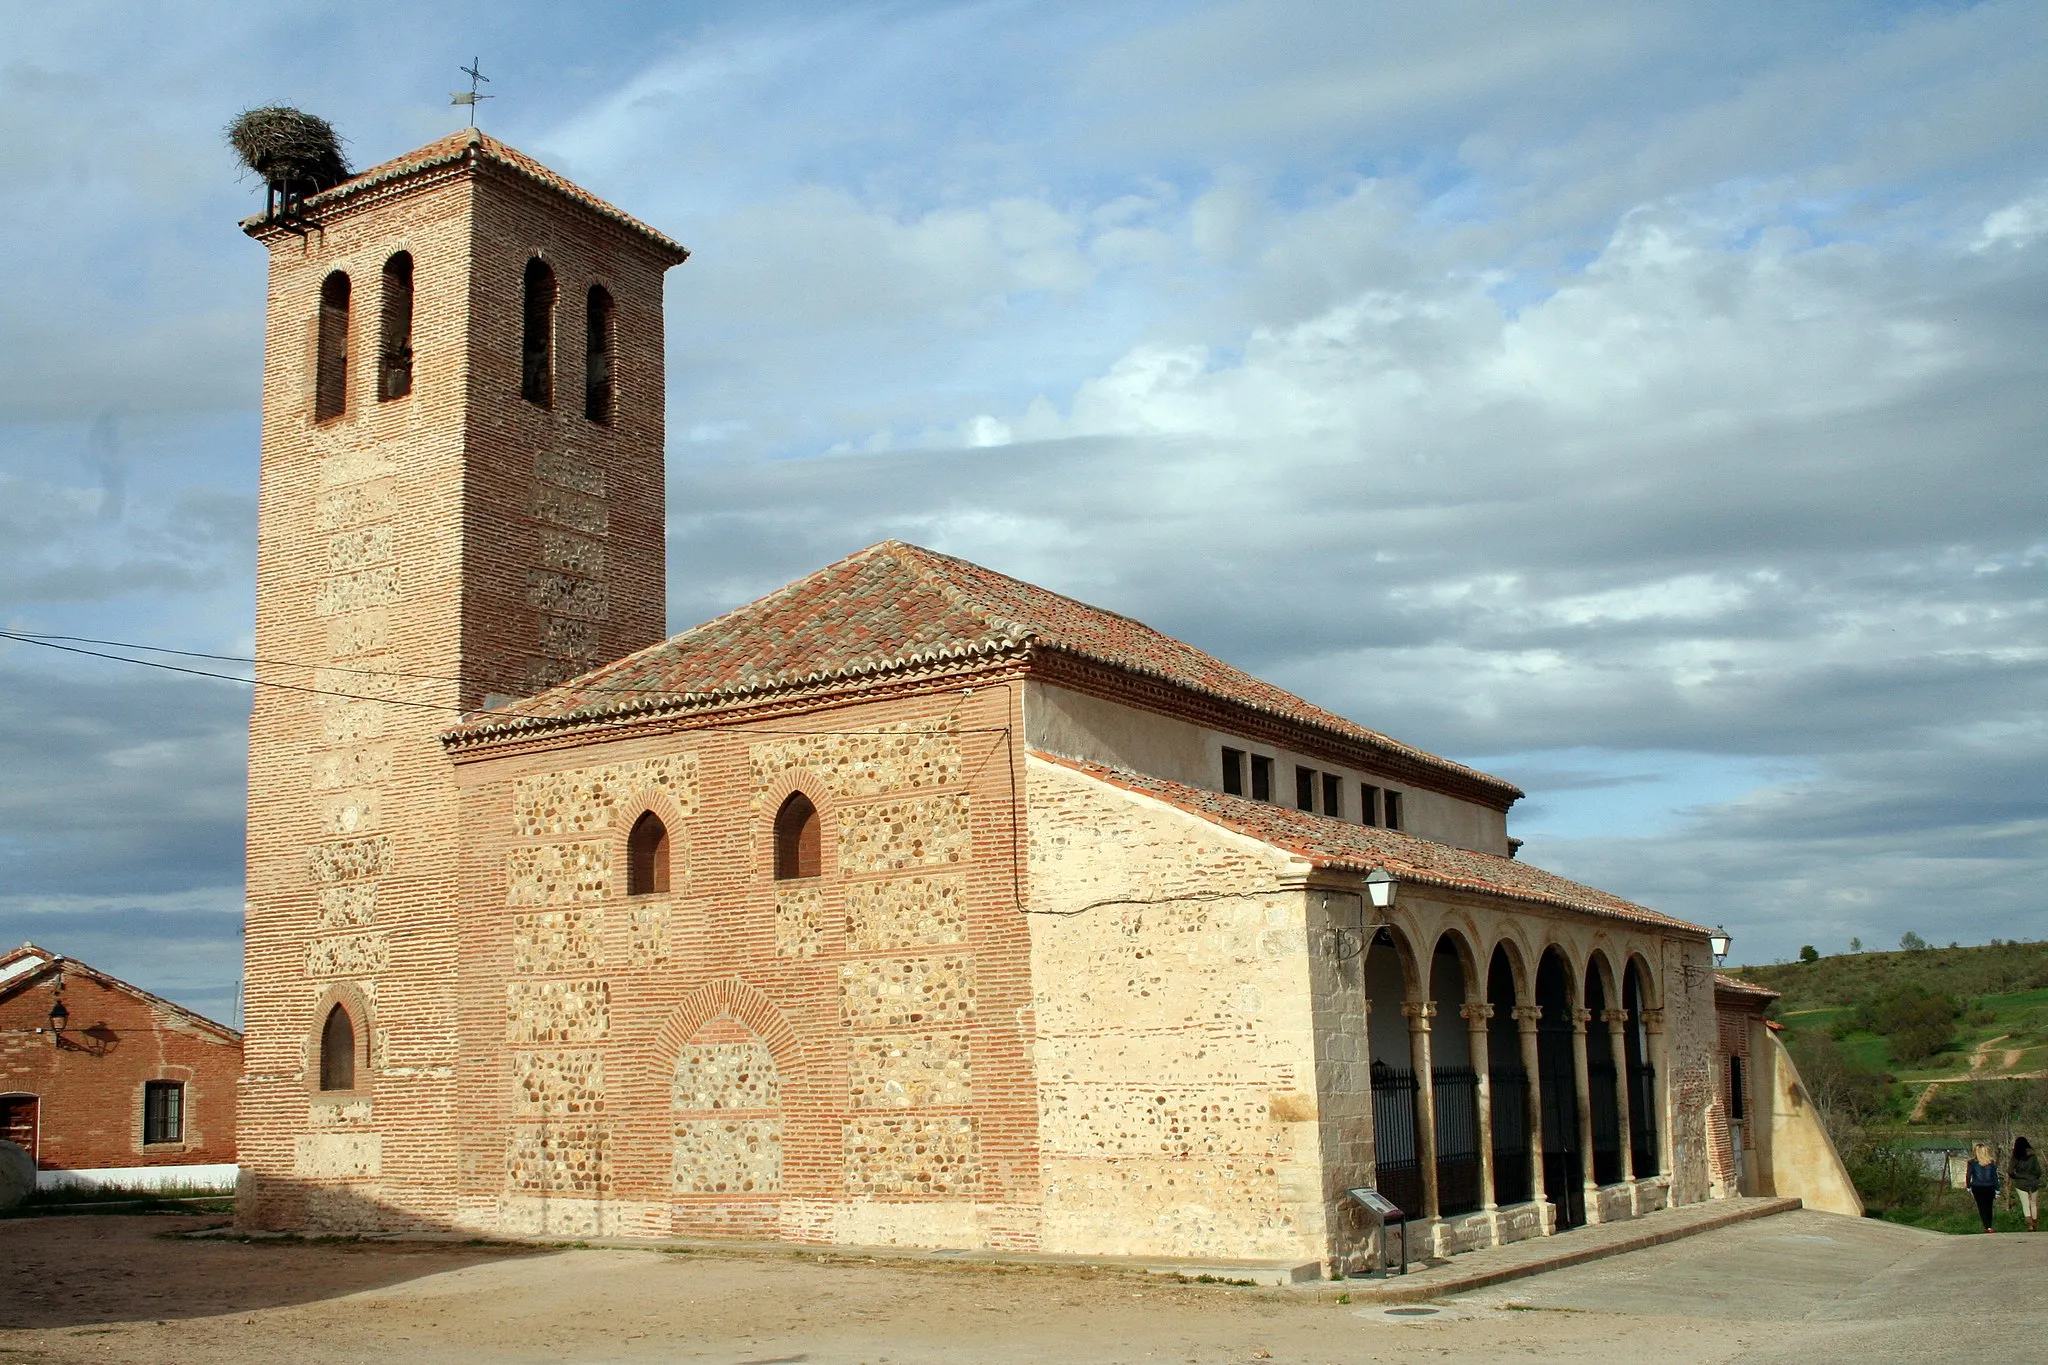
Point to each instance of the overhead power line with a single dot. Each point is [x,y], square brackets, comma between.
[73,644]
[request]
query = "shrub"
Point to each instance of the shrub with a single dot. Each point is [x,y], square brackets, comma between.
[1912,942]
[1889,1177]
[1915,1022]
[1809,953]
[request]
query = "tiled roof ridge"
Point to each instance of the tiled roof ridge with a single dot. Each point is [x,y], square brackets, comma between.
[454,147]
[1308,714]
[479,731]
[1196,802]
[63,963]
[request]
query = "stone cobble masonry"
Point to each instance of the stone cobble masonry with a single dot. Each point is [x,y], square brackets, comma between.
[558,874]
[897,993]
[581,800]
[564,1158]
[894,758]
[799,918]
[908,1071]
[712,1076]
[557,1011]
[557,942]
[906,912]
[728,1156]
[915,1155]
[558,1084]
[892,836]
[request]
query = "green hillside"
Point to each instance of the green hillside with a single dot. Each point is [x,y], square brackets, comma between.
[1992,969]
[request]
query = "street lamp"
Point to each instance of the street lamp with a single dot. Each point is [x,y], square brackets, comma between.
[1379,885]
[60,1019]
[1719,941]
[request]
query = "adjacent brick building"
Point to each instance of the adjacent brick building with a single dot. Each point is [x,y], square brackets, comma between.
[97,1075]
[911,904]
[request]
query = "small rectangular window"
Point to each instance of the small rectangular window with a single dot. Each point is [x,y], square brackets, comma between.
[1233,771]
[163,1111]
[1736,1108]
[1368,804]
[1304,788]
[1333,796]
[1262,778]
[1391,804]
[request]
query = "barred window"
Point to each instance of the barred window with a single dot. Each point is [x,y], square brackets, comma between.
[163,1111]
[394,354]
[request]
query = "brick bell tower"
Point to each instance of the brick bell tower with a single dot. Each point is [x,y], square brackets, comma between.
[460,505]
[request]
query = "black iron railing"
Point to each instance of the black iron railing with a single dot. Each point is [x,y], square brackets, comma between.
[1606,1121]
[1642,1118]
[1510,1135]
[1457,1139]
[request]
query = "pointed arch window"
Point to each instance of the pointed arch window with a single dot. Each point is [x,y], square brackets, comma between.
[598,352]
[537,370]
[330,367]
[394,353]
[797,840]
[338,1051]
[647,857]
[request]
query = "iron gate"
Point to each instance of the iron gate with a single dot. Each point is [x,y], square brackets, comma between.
[1642,1118]
[1600,1079]
[1510,1135]
[1396,1155]
[1457,1139]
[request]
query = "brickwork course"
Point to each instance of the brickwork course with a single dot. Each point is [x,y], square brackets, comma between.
[1043,984]
[77,1099]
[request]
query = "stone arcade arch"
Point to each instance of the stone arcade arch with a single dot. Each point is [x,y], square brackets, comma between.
[1560,1052]
[1400,1143]
[1517,1152]
[1640,1043]
[1606,1099]
[1456,1088]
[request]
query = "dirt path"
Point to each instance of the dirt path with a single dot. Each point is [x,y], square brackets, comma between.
[117,1290]
[1980,1070]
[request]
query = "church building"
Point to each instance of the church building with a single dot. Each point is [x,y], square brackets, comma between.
[910,905]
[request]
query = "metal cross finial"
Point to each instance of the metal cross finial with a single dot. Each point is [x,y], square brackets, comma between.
[470,96]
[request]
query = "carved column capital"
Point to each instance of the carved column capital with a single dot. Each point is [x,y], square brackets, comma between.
[1580,1018]
[1418,1013]
[1475,1014]
[1528,1016]
[1614,1019]
[1653,1021]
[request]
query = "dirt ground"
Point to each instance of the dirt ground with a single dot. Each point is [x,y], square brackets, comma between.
[124,1289]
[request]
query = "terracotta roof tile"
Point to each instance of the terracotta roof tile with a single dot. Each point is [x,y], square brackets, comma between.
[896,607]
[1735,985]
[1336,844]
[454,147]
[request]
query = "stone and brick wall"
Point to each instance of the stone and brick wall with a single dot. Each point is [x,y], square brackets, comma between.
[90,1089]
[1176,1050]
[842,1057]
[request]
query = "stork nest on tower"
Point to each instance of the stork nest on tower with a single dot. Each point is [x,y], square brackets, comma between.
[291,150]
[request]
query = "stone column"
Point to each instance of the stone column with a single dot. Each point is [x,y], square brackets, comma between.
[1419,1013]
[1580,1073]
[1660,1091]
[1617,1044]
[1527,1018]
[1482,1066]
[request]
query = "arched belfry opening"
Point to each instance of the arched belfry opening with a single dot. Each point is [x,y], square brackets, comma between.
[600,328]
[647,857]
[799,842]
[537,344]
[338,1050]
[330,364]
[394,350]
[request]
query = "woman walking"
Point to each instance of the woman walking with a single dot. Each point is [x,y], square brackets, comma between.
[1981,1178]
[2025,1175]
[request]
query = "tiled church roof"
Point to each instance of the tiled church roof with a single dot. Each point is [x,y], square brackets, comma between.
[1327,842]
[452,148]
[899,608]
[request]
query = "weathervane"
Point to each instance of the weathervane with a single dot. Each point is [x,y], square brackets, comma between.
[470,96]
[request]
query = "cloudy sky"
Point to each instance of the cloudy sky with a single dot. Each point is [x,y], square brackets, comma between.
[1642,401]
